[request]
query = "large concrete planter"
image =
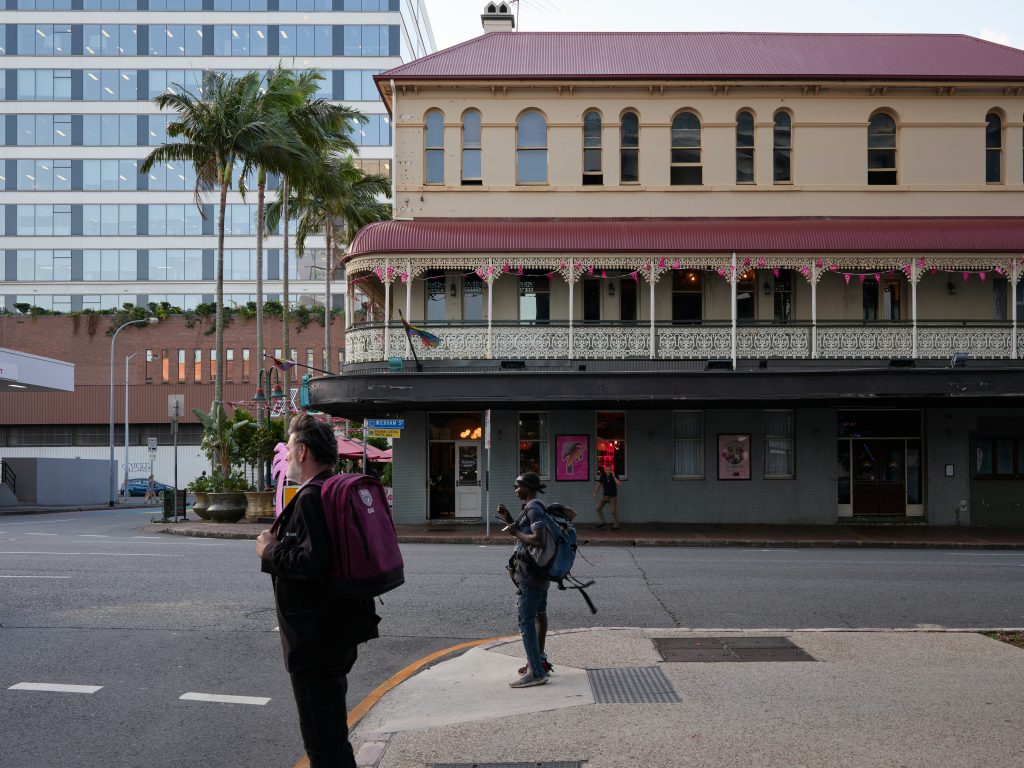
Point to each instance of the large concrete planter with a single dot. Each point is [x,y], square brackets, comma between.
[260,506]
[226,507]
[200,504]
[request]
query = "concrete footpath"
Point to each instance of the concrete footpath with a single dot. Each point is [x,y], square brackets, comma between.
[858,699]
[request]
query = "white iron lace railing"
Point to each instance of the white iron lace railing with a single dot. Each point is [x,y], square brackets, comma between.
[835,341]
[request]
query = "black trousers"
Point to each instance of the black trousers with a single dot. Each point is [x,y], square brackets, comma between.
[323,716]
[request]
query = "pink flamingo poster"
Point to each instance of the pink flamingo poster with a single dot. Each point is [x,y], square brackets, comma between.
[572,457]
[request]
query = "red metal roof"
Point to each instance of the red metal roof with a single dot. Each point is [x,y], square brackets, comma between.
[693,235]
[717,55]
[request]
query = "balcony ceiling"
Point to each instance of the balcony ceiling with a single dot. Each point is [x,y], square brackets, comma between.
[693,235]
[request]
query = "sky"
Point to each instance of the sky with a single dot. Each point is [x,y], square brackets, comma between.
[1001,21]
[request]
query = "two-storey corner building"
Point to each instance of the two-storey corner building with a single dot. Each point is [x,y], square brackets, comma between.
[766,278]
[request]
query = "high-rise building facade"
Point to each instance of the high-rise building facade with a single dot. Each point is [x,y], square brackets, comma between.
[80,227]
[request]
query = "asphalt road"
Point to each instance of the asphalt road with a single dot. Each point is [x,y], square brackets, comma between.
[87,599]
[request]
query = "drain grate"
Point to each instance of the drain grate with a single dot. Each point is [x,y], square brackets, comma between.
[716,649]
[632,685]
[561,764]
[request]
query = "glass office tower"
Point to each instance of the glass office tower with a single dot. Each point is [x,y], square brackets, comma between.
[80,228]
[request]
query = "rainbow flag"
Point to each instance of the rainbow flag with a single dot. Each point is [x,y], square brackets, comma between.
[429,340]
[282,365]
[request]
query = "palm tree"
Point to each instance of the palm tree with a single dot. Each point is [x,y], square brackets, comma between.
[316,123]
[225,123]
[338,199]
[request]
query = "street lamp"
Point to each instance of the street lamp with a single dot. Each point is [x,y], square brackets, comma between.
[262,405]
[113,474]
[126,359]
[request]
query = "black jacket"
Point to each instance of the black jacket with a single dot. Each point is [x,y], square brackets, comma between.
[316,624]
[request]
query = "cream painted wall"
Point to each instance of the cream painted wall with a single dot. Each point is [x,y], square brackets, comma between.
[940,152]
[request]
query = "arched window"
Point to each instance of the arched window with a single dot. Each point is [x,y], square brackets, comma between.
[745,147]
[433,148]
[629,148]
[472,171]
[782,149]
[592,171]
[686,167]
[531,148]
[993,149]
[881,149]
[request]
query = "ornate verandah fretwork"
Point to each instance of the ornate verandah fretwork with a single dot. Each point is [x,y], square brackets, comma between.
[572,340]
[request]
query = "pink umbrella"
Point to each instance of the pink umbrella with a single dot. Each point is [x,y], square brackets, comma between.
[350,448]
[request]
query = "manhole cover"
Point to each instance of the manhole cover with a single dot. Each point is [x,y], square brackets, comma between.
[717,649]
[632,685]
[562,764]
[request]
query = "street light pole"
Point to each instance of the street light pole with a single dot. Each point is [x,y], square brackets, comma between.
[113,473]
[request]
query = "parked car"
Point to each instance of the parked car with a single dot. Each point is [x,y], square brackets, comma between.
[137,486]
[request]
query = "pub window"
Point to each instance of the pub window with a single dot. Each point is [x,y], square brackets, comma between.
[534,297]
[782,148]
[310,358]
[229,365]
[628,301]
[993,148]
[1000,286]
[150,358]
[611,442]
[213,365]
[533,443]
[433,148]
[688,444]
[436,292]
[592,171]
[472,298]
[197,365]
[165,366]
[745,147]
[779,452]
[472,168]
[746,295]
[246,370]
[592,299]
[999,457]
[686,167]
[782,292]
[881,299]
[182,370]
[629,148]
[687,297]
[531,148]
[881,149]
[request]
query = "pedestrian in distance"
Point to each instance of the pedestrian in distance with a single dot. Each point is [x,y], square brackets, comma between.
[534,548]
[606,491]
[150,497]
[319,628]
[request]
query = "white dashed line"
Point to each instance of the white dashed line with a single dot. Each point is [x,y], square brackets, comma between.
[39,534]
[2,576]
[92,554]
[55,688]
[217,698]
[146,537]
[93,536]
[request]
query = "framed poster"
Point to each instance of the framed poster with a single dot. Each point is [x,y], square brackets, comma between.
[734,457]
[572,457]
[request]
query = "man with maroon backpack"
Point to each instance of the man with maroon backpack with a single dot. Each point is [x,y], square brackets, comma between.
[320,628]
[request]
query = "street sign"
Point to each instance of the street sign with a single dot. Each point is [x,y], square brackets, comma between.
[151,443]
[385,423]
[384,433]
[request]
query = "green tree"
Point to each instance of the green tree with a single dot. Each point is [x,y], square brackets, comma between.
[226,123]
[221,437]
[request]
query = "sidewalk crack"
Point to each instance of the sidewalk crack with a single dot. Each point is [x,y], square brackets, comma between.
[647,583]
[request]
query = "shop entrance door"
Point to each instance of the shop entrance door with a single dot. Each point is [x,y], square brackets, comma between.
[879,477]
[442,481]
[467,480]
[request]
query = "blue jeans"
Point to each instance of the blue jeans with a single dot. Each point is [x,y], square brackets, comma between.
[531,602]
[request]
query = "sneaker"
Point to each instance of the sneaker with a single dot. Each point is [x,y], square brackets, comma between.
[528,681]
[548,669]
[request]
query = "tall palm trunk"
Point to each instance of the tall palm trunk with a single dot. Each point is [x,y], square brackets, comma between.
[284,303]
[218,387]
[328,265]
[261,184]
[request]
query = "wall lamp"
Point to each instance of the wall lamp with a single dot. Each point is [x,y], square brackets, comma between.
[611,289]
[455,291]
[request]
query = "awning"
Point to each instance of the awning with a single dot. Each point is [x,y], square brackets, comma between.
[693,235]
[350,448]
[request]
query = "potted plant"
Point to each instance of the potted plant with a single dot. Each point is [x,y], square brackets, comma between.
[200,488]
[256,448]
[222,444]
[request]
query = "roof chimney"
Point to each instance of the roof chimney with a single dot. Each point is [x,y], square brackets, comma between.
[497,17]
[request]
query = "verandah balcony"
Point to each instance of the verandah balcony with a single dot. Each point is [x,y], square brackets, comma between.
[828,340]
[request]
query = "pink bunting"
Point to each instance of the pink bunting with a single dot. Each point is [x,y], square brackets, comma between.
[846,277]
[490,270]
[519,271]
[636,277]
[920,262]
[661,262]
[833,267]
[405,277]
[861,277]
[480,273]
[505,267]
[878,277]
[746,262]
[761,262]
[603,274]
[1000,271]
[982,276]
[590,269]
[818,263]
[561,264]
[966,276]
[775,272]
[675,264]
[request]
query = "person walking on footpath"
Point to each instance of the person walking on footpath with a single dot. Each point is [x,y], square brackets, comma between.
[534,549]
[319,629]
[606,491]
[150,497]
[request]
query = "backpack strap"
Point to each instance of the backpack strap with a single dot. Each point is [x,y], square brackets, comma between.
[286,513]
[580,586]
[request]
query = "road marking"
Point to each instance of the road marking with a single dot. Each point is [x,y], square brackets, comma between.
[146,537]
[222,699]
[55,688]
[93,536]
[2,576]
[92,554]
[39,534]
[364,706]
